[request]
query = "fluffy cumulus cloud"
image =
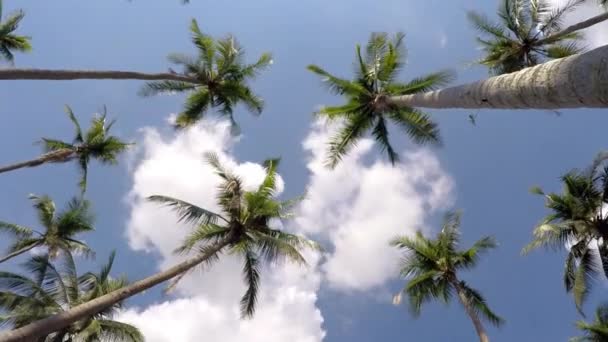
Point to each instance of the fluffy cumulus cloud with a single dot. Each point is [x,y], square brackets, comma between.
[596,35]
[358,207]
[206,304]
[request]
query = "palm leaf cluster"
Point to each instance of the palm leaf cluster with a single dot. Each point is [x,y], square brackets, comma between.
[578,219]
[220,77]
[245,222]
[366,108]
[596,331]
[52,288]
[9,41]
[432,265]
[517,40]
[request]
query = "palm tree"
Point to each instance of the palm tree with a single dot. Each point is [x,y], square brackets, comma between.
[56,288]
[578,218]
[596,331]
[9,41]
[365,108]
[95,143]
[60,229]
[432,266]
[243,228]
[221,78]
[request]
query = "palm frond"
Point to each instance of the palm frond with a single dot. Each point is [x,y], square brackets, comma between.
[418,126]
[479,305]
[188,212]
[337,85]
[380,133]
[251,276]
[164,87]
[346,138]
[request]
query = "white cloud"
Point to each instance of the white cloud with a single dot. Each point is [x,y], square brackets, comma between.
[208,305]
[358,208]
[596,35]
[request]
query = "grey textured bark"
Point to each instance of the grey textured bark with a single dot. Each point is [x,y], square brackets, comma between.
[58,156]
[59,321]
[579,81]
[481,332]
[573,28]
[59,75]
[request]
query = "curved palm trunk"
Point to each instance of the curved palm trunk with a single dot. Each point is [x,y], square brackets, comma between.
[59,321]
[62,75]
[579,81]
[58,156]
[481,332]
[18,252]
[576,27]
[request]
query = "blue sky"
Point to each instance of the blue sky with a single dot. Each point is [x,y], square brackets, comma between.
[485,170]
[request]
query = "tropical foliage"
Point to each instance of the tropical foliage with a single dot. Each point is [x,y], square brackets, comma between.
[366,108]
[9,41]
[596,331]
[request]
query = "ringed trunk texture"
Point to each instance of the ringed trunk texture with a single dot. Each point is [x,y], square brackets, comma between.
[576,27]
[579,81]
[18,252]
[58,156]
[481,332]
[59,321]
[63,75]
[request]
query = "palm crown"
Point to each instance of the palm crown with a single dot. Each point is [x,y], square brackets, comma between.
[245,223]
[517,41]
[577,218]
[52,289]
[220,75]
[432,266]
[60,229]
[95,143]
[9,41]
[366,107]
[597,331]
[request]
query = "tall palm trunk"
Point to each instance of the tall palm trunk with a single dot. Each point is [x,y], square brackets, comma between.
[18,252]
[58,156]
[577,81]
[59,75]
[481,332]
[61,320]
[573,28]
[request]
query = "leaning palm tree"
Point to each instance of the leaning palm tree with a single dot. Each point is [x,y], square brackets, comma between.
[221,76]
[54,288]
[432,266]
[244,227]
[95,143]
[577,221]
[366,109]
[9,41]
[597,331]
[60,229]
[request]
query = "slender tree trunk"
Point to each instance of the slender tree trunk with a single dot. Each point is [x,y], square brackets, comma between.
[576,27]
[59,75]
[577,81]
[481,332]
[58,156]
[59,321]
[18,252]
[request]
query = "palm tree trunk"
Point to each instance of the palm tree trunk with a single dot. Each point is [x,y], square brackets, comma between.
[18,252]
[481,332]
[59,75]
[576,27]
[59,321]
[577,81]
[58,156]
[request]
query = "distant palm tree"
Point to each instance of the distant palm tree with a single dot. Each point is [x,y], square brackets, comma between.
[94,143]
[597,331]
[243,228]
[9,41]
[366,107]
[60,229]
[221,78]
[578,218]
[432,266]
[529,33]
[53,289]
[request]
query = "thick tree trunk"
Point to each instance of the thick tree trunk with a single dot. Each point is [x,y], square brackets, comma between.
[59,321]
[579,81]
[18,252]
[59,75]
[576,27]
[58,156]
[481,332]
